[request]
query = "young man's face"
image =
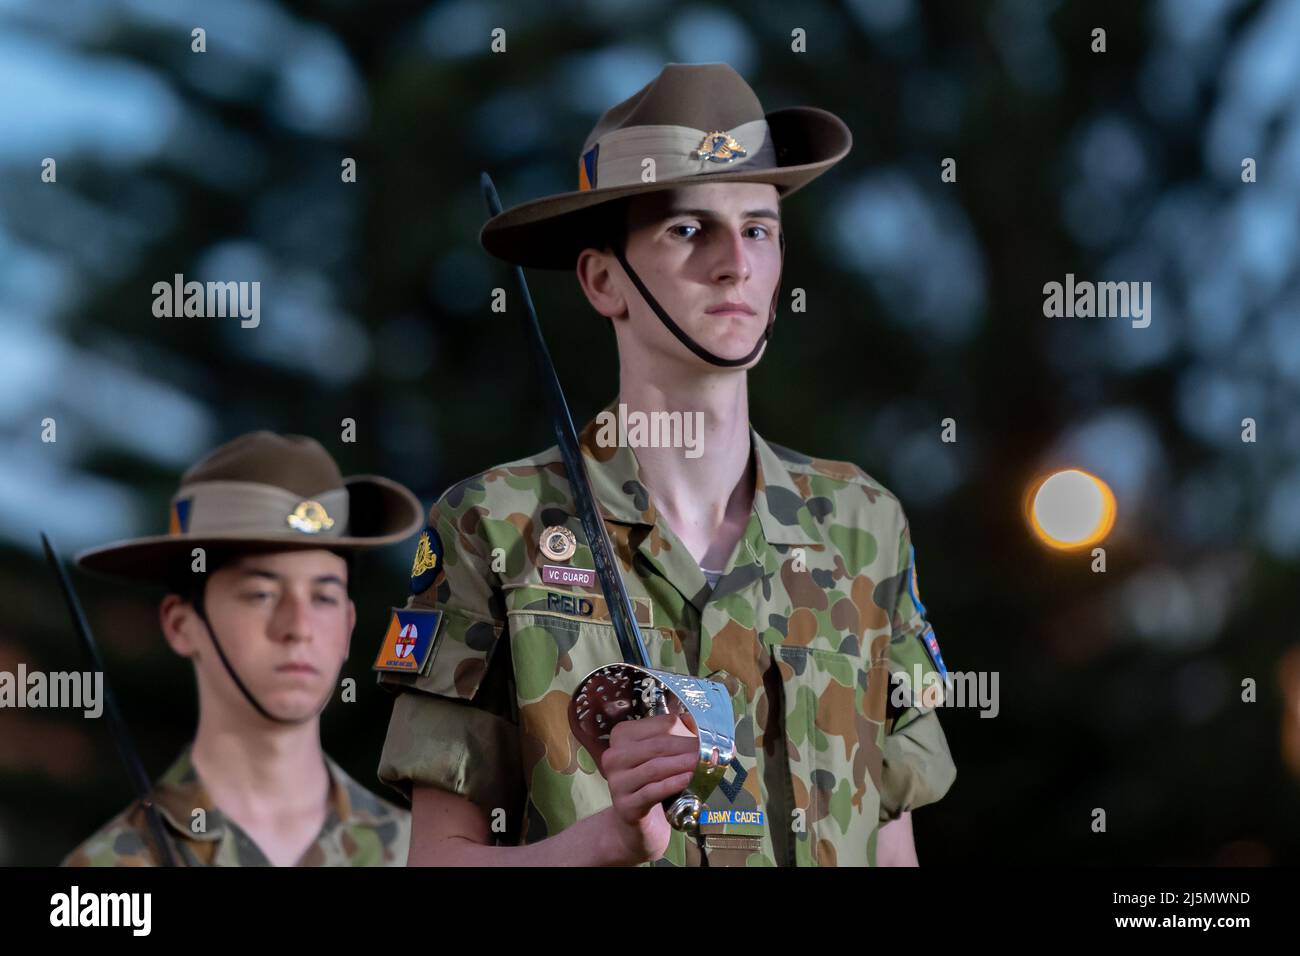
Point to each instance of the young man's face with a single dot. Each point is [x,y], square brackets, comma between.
[285,623]
[709,253]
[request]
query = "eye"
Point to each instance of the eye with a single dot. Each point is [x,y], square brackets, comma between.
[257,597]
[682,225]
[763,229]
[327,599]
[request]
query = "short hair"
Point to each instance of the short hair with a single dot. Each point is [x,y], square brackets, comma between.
[608,227]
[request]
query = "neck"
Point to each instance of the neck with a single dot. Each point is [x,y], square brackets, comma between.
[242,766]
[701,491]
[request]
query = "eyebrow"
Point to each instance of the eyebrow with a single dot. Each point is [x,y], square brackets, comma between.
[271,575]
[713,214]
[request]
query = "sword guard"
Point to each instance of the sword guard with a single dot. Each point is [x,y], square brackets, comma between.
[617,692]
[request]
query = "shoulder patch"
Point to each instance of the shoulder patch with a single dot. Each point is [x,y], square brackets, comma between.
[927,636]
[428,560]
[408,641]
[911,580]
[932,648]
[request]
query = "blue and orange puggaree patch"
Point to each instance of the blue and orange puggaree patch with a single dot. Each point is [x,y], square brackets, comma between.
[587,169]
[180,517]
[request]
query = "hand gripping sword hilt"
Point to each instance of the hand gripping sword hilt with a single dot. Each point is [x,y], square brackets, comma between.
[618,692]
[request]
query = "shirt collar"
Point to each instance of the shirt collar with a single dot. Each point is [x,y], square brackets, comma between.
[779,500]
[180,791]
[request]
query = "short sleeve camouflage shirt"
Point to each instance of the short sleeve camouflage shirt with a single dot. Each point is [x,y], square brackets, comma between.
[811,616]
[360,828]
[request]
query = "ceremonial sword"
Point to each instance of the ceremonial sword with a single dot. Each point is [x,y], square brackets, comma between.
[116,725]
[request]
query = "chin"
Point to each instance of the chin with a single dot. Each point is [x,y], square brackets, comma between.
[731,341]
[293,707]
[294,702]
[734,346]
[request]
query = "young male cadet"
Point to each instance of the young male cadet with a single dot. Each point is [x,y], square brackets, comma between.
[267,628]
[788,578]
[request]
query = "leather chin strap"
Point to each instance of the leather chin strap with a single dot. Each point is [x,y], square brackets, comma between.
[243,689]
[681,335]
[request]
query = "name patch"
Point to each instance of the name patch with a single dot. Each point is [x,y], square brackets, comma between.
[558,574]
[568,604]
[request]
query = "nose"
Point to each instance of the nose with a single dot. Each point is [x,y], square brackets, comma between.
[292,621]
[731,262]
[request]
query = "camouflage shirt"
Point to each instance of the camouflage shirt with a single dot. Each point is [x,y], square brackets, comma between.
[815,609]
[360,828]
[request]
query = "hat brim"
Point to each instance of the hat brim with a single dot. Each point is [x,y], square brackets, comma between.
[380,512]
[548,233]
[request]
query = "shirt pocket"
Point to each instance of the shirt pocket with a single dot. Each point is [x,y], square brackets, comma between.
[836,739]
[558,637]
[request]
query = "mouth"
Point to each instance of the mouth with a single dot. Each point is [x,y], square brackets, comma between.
[296,668]
[729,309]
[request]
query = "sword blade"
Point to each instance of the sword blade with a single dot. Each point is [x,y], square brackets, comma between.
[602,552]
[116,725]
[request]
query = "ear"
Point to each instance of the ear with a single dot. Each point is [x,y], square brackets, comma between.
[596,275]
[180,625]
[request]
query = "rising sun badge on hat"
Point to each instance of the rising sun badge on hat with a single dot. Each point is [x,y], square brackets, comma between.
[719,146]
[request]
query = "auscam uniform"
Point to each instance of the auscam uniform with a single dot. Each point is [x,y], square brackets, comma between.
[814,612]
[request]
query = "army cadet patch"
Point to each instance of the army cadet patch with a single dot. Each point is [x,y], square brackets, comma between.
[732,820]
[408,641]
[731,835]
[911,580]
[932,647]
[428,557]
[558,543]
